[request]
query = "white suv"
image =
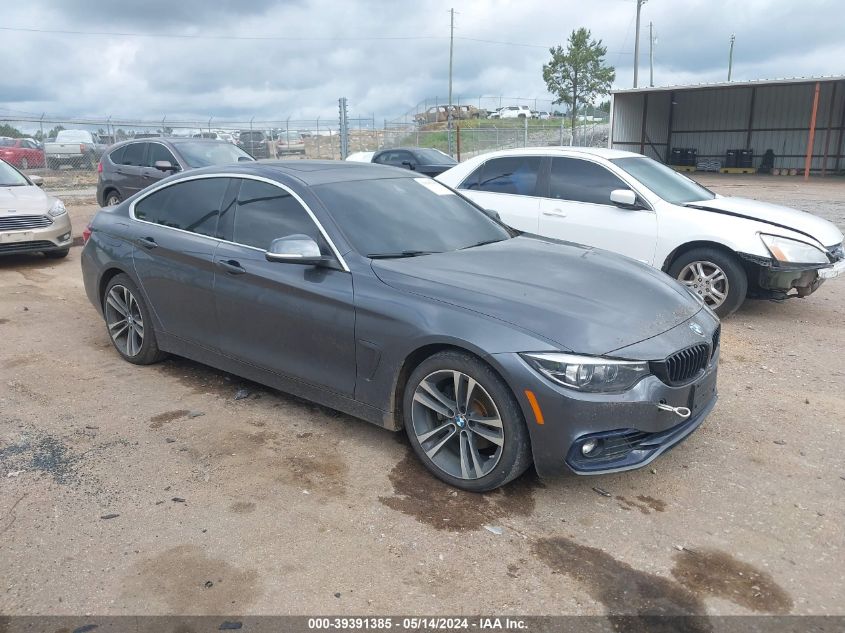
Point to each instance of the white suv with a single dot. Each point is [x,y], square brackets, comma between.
[721,248]
[516,112]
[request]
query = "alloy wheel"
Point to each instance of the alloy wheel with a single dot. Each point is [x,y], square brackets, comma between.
[124,320]
[112,200]
[707,280]
[457,424]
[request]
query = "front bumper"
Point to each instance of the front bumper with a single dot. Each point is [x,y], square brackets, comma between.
[631,429]
[56,236]
[775,279]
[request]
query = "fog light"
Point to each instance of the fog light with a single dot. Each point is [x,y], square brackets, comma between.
[588,447]
[65,237]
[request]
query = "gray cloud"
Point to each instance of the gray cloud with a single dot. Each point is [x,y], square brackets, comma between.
[183,77]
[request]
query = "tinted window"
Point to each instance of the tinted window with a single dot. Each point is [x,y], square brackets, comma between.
[117,155]
[133,154]
[582,181]
[514,174]
[435,157]
[190,206]
[159,152]
[265,212]
[395,216]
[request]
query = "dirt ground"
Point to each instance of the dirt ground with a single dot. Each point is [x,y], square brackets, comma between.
[153,490]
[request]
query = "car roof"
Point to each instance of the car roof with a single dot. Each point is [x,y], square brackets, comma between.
[600,152]
[311,172]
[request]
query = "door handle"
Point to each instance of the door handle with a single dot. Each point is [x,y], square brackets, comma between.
[146,242]
[556,213]
[231,266]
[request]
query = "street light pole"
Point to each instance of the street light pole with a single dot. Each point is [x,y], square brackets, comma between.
[451,53]
[651,54]
[637,43]
[731,56]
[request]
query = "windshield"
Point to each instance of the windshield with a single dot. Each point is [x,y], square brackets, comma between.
[663,180]
[11,177]
[435,157]
[199,154]
[401,217]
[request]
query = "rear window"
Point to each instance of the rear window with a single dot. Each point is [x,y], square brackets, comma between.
[192,205]
[513,174]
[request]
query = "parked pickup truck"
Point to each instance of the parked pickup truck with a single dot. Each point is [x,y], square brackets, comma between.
[77,148]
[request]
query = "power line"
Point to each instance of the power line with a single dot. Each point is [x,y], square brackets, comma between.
[272,38]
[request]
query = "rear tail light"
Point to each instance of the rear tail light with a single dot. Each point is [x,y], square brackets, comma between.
[100,167]
[86,233]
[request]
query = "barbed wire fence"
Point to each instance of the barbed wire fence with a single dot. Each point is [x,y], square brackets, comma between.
[26,140]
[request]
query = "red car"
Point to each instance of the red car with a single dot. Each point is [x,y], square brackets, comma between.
[21,152]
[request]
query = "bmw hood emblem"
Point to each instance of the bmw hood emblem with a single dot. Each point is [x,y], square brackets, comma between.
[695,327]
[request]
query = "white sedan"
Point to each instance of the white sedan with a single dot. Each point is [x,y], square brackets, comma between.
[722,248]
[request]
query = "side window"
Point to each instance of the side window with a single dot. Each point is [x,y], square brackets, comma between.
[381,159]
[582,181]
[405,157]
[514,174]
[159,152]
[117,155]
[133,154]
[265,212]
[191,206]
[471,181]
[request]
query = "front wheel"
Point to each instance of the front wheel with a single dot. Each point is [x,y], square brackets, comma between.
[464,423]
[715,276]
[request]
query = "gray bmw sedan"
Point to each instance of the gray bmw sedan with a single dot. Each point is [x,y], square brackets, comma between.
[389,296]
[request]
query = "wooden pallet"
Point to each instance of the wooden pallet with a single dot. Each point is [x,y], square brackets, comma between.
[738,170]
[687,168]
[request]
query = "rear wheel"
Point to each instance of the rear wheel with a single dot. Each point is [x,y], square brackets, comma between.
[464,423]
[112,198]
[128,322]
[715,276]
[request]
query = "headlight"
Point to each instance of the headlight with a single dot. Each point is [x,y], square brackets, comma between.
[57,209]
[588,373]
[790,251]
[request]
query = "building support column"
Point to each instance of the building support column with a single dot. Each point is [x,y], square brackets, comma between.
[645,118]
[669,127]
[811,139]
[829,126]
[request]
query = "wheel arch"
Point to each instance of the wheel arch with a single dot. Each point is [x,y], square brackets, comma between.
[688,246]
[416,356]
[108,274]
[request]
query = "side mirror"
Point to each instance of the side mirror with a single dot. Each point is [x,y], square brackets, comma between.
[296,249]
[623,198]
[38,181]
[408,164]
[165,165]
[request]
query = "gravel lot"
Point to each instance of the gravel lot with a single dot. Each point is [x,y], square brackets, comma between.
[271,505]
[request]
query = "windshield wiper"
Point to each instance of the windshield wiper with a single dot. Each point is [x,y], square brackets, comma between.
[398,255]
[482,243]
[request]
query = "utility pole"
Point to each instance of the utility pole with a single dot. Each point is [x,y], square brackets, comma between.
[731,56]
[651,54]
[451,54]
[637,43]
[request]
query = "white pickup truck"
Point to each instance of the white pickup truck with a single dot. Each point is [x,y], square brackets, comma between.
[77,148]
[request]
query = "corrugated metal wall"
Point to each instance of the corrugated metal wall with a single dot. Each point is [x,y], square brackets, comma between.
[714,120]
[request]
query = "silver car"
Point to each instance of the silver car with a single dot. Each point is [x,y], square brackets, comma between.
[30,220]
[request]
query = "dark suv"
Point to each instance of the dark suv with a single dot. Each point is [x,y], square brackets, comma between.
[255,142]
[133,165]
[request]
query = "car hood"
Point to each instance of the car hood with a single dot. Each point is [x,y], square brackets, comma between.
[584,299]
[28,199]
[811,225]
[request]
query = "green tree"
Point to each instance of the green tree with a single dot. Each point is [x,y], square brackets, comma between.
[578,74]
[52,133]
[9,130]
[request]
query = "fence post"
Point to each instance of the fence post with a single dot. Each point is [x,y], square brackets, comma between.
[525,139]
[458,141]
[343,128]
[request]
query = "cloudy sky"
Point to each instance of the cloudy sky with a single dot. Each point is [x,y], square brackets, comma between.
[273,59]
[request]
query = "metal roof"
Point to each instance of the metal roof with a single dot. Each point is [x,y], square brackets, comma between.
[734,84]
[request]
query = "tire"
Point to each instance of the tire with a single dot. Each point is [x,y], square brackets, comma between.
[24,163]
[145,353]
[708,260]
[57,254]
[111,198]
[486,465]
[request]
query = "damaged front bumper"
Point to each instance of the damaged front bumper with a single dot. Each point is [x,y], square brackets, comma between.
[775,279]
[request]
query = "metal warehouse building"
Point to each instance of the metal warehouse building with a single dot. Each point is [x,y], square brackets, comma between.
[800,120]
